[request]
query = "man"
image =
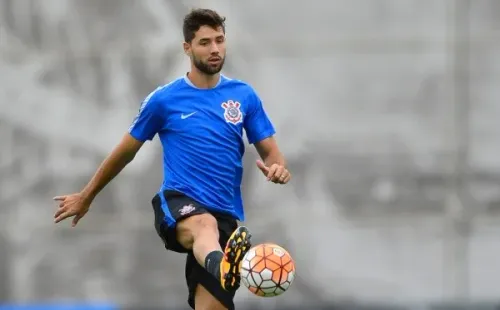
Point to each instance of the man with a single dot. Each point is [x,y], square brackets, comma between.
[199,119]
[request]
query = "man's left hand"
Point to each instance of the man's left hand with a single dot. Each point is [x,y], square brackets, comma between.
[276,173]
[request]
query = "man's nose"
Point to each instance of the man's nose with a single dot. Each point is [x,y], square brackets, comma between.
[214,49]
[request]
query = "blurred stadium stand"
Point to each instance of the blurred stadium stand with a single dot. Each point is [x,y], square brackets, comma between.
[387,110]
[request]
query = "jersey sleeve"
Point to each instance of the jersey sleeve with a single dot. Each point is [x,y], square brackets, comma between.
[149,120]
[257,124]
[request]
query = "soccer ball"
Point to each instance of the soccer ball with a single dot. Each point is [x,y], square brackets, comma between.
[267,270]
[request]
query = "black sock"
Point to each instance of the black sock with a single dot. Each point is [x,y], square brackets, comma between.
[212,263]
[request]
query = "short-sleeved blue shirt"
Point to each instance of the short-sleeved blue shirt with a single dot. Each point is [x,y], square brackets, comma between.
[201,131]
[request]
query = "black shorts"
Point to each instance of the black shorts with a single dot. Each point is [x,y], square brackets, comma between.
[171,207]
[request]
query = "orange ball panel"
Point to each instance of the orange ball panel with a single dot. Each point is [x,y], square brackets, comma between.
[275,259]
[272,265]
[278,275]
[288,267]
[268,250]
[254,261]
[256,291]
[258,267]
[259,251]
[285,259]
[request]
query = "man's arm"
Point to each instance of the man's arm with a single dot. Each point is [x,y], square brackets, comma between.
[146,124]
[269,152]
[273,163]
[118,159]
[260,132]
[78,204]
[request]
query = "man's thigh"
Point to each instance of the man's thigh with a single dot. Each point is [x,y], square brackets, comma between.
[170,209]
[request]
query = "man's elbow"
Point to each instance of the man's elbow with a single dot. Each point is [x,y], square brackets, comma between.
[124,155]
[130,153]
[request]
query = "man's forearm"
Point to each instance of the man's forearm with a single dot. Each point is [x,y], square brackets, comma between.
[106,172]
[274,158]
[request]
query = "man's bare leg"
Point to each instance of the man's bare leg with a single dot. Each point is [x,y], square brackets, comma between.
[200,234]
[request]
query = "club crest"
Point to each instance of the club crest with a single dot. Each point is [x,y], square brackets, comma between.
[232,112]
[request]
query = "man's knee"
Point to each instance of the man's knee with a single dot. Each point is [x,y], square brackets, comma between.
[191,228]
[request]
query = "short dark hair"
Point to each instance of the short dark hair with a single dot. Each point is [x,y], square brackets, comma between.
[197,18]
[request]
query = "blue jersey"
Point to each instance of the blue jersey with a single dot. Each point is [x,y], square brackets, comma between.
[201,131]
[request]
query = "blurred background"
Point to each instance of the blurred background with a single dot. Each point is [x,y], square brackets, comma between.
[387,110]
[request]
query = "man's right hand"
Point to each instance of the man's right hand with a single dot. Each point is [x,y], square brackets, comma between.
[76,205]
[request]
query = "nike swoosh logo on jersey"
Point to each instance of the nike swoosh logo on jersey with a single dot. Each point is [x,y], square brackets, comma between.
[184,116]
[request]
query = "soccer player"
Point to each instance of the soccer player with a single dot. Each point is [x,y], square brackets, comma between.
[199,118]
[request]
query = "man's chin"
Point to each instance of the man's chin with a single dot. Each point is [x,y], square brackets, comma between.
[210,69]
[213,69]
[216,72]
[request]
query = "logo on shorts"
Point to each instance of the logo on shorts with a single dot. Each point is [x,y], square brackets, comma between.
[187,209]
[232,112]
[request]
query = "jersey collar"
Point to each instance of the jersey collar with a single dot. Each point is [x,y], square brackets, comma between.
[188,81]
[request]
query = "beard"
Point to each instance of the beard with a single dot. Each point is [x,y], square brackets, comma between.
[206,67]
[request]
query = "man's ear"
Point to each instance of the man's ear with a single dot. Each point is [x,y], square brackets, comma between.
[187,48]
